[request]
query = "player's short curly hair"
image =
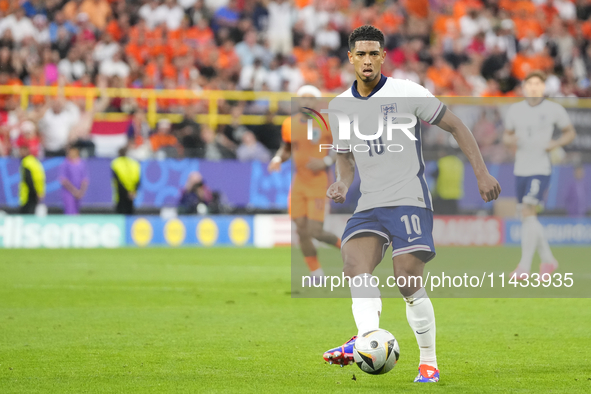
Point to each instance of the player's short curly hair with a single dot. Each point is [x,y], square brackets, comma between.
[366,33]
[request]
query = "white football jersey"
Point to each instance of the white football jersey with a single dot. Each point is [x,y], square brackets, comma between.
[392,171]
[534,127]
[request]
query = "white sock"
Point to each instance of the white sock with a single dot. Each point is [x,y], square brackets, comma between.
[367,304]
[317,272]
[529,241]
[543,246]
[421,318]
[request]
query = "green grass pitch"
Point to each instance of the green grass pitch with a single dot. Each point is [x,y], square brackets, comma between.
[223,320]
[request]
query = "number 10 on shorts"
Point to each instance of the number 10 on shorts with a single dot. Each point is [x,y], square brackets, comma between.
[416,224]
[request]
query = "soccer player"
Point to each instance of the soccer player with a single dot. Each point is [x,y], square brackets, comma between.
[395,206]
[307,197]
[529,126]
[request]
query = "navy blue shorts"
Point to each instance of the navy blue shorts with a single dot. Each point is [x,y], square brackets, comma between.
[532,189]
[409,229]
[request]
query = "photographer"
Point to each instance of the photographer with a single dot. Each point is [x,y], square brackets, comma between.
[197,197]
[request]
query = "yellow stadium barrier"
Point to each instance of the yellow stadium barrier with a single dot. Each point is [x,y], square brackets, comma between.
[213,118]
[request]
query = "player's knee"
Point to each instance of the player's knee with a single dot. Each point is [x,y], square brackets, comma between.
[315,232]
[351,268]
[302,232]
[408,283]
[408,289]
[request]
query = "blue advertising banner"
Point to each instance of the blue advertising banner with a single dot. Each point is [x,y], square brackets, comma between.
[190,231]
[241,184]
[558,230]
[99,190]
[250,185]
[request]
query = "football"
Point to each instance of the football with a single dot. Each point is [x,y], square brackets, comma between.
[376,352]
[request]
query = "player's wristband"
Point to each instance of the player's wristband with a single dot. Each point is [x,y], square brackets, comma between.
[328,161]
[277,159]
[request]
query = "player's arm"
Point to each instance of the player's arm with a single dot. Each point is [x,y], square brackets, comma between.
[345,171]
[282,155]
[316,165]
[510,138]
[68,186]
[568,136]
[104,100]
[488,186]
[284,152]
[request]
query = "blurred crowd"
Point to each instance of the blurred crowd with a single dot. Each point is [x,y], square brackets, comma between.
[454,48]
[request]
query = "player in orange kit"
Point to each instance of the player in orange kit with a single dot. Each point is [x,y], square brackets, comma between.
[307,197]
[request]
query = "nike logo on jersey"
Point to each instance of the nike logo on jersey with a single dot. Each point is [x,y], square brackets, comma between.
[422,332]
[413,239]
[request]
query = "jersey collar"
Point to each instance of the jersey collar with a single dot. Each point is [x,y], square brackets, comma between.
[532,106]
[380,84]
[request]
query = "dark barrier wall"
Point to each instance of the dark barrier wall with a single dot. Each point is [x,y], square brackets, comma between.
[247,184]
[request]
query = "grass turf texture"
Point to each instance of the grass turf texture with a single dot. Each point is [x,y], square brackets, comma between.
[223,320]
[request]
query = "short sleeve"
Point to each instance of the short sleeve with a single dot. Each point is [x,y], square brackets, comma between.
[286,130]
[338,145]
[424,105]
[562,118]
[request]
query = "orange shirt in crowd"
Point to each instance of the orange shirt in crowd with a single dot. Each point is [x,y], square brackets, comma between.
[195,35]
[492,93]
[138,30]
[389,22]
[549,12]
[524,26]
[176,49]
[303,55]
[442,77]
[443,23]
[164,104]
[160,140]
[4,5]
[302,3]
[461,7]
[114,30]
[71,11]
[168,71]
[141,53]
[417,8]
[227,58]
[586,29]
[156,34]
[97,12]
[38,79]
[4,98]
[332,78]
[310,73]
[158,47]
[519,6]
[175,35]
[523,64]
